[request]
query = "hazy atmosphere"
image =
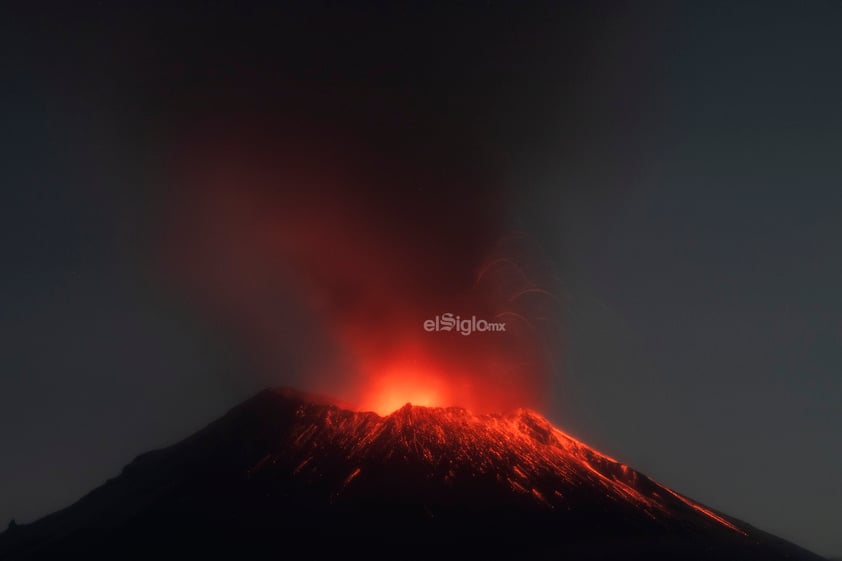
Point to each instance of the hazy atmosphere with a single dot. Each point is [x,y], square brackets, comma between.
[205,200]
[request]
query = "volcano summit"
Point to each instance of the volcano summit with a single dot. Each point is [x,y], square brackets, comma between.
[285,473]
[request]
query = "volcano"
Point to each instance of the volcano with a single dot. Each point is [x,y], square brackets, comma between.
[291,475]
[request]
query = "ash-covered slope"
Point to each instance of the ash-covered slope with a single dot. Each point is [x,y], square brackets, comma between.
[284,472]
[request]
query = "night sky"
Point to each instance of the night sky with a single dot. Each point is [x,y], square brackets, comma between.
[676,166]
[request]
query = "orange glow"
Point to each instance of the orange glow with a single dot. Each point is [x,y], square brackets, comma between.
[400,385]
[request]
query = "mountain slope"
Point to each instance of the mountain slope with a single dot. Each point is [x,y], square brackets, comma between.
[288,472]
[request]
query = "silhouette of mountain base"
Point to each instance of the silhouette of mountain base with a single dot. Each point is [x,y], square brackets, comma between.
[288,475]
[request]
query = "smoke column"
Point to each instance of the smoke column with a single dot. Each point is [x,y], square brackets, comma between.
[325,240]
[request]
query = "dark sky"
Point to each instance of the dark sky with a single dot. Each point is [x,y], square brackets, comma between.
[677,163]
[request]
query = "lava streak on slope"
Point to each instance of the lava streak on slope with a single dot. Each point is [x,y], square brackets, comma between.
[524,455]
